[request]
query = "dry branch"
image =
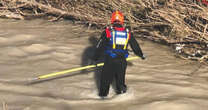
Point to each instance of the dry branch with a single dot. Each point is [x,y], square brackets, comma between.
[51,10]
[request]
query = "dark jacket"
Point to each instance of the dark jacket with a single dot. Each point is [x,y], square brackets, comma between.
[103,42]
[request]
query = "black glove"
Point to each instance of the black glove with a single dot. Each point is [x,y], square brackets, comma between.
[143,57]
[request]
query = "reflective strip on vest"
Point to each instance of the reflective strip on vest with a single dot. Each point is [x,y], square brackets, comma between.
[114,41]
[127,40]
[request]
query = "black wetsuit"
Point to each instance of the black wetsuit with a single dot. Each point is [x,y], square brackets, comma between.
[114,68]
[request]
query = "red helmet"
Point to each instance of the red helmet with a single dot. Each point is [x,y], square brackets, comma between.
[117,16]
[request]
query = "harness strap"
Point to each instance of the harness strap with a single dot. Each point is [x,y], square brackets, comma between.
[127,40]
[114,38]
[114,41]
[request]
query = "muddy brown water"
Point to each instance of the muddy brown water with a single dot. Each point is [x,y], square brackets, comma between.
[32,48]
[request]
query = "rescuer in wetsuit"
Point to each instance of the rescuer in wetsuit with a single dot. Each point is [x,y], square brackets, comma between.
[114,42]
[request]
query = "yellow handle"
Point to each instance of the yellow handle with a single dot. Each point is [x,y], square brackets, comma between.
[77,69]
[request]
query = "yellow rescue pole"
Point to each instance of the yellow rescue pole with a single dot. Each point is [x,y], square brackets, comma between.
[77,69]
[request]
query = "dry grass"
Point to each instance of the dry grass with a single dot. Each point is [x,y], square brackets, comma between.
[181,24]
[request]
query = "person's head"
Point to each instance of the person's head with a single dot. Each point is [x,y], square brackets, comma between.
[117,18]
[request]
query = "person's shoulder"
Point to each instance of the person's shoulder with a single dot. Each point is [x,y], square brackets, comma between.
[104,29]
[128,28]
[109,27]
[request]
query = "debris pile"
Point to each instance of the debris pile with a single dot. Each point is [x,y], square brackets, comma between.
[182,24]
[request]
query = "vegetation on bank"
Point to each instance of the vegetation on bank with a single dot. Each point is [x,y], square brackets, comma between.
[181,24]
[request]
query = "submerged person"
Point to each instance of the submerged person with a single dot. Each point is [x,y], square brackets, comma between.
[114,42]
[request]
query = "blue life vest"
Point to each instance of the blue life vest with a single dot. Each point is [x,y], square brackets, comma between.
[117,38]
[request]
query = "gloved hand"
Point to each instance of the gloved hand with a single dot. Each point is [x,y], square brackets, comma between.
[143,57]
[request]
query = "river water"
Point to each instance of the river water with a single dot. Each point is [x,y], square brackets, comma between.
[29,49]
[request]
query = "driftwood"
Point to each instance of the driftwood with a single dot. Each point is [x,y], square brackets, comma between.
[182,24]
